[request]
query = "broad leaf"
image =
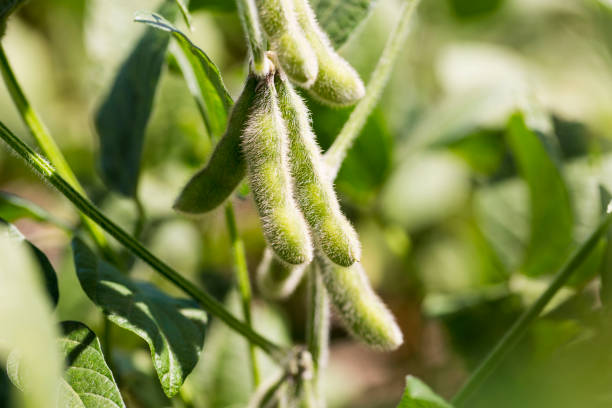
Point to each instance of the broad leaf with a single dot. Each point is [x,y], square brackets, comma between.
[122,119]
[48,275]
[173,328]
[550,207]
[339,18]
[88,382]
[202,76]
[7,7]
[418,395]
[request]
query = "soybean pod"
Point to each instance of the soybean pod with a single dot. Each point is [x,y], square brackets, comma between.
[277,279]
[360,310]
[264,145]
[287,40]
[337,82]
[314,190]
[226,167]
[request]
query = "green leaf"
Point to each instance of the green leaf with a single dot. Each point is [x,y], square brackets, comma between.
[550,207]
[88,382]
[202,76]
[184,12]
[212,5]
[13,207]
[173,328]
[48,275]
[468,9]
[122,119]
[339,18]
[8,7]
[418,395]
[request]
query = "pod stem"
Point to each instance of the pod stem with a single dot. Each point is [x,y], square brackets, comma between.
[317,334]
[518,329]
[49,147]
[353,126]
[250,23]
[44,169]
[244,284]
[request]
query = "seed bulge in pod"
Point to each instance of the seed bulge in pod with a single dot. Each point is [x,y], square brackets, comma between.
[264,145]
[294,52]
[337,83]
[226,167]
[277,279]
[360,310]
[314,190]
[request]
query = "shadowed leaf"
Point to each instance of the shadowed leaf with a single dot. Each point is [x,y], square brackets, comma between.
[339,18]
[173,328]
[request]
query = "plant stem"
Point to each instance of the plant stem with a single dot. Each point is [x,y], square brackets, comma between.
[47,144]
[250,22]
[208,303]
[317,335]
[518,329]
[353,126]
[244,284]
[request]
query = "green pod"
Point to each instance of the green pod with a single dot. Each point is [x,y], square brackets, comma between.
[361,311]
[314,190]
[337,83]
[277,279]
[294,52]
[226,167]
[264,145]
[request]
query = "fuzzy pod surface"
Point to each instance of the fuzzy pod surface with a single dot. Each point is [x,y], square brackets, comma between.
[287,40]
[314,190]
[361,311]
[337,83]
[226,167]
[277,279]
[265,148]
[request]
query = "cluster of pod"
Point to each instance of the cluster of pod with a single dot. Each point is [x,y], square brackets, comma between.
[269,139]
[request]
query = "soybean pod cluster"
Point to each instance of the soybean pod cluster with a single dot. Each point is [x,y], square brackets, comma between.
[269,139]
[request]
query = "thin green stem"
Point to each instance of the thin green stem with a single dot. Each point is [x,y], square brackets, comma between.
[353,126]
[141,217]
[244,284]
[518,329]
[47,144]
[250,22]
[317,326]
[208,303]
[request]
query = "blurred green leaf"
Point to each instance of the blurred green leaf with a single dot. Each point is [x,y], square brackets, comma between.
[212,5]
[418,395]
[339,18]
[7,7]
[173,328]
[49,277]
[88,382]
[202,76]
[13,207]
[482,149]
[184,12]
[466,9]
[550,207]
[122,119]
[605,291]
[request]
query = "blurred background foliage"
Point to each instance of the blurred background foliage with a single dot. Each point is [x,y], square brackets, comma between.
[465,209]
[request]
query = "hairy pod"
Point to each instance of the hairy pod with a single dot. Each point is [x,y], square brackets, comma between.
[337,83]
[226,167]
[294,52]
[314,190]
[265,145]
[277,279]
[361,311]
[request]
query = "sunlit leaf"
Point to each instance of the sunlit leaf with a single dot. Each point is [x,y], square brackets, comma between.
[122,119]
[88,382]
[46,270]
[202,76]
[339,18]
[418,395]
[173,328]
[550,207]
